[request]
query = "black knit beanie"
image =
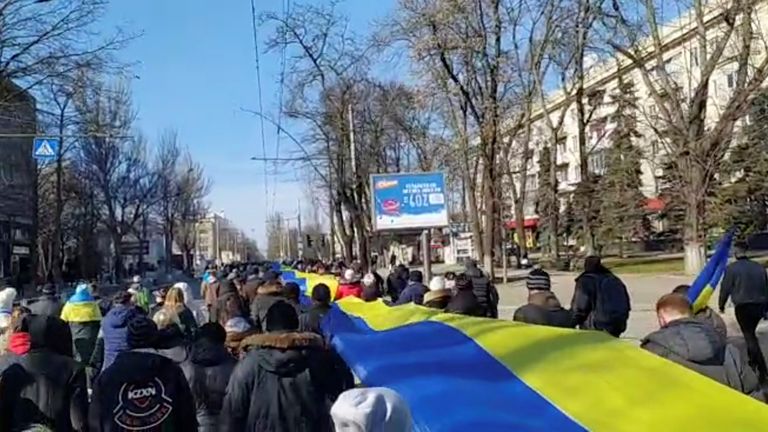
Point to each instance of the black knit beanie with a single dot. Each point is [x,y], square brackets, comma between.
[281,316]
[142,332]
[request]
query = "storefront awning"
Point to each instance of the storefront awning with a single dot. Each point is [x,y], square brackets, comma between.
[527,223]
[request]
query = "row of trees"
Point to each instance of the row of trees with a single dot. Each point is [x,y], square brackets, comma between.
[108,180]
[105,179]
[481,71]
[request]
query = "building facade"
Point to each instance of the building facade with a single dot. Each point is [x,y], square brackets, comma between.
[219,241]
[18,124]
[682,64]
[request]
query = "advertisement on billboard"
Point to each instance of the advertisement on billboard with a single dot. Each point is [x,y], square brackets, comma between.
[408,201]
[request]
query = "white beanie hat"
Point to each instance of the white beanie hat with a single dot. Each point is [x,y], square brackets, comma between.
[437,283]
[375,409]
[7,296]
[369,279]
[237,325]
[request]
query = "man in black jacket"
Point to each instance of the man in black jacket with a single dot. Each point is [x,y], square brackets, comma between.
[464,301]
[600,299]
[44,387]
[746,283]
[208,371]
[698,346]
[142,389]
[285,382]
[543,307]
[484,290]
[396,282]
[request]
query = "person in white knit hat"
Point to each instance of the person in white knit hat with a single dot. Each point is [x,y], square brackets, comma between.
[375,409]
[7,296]
[438,295]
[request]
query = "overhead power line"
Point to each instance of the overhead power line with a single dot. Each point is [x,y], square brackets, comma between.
[261,104]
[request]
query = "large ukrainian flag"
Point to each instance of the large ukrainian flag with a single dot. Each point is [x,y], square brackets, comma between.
[481,375]
[706,282]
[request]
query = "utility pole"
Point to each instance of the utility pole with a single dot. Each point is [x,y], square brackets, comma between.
[300,240]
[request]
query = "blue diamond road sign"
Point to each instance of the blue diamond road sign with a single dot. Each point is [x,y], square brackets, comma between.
[46,149]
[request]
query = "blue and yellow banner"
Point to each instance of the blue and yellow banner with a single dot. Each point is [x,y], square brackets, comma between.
[706,282]
[462,373]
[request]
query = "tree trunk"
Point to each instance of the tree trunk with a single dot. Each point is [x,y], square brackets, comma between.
[554,217]
[488,222]
[118,258]
[693,236]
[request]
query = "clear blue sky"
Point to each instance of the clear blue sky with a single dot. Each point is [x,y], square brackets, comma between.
[196,72]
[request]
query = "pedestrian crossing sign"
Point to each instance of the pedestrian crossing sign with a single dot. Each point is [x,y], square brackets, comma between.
[46,149]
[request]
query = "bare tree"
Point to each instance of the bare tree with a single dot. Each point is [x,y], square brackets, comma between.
[114,162]
[189,205]
[41,41]
[694,128]
[166,165]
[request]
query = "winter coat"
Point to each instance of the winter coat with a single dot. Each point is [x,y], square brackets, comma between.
[543,308]
[464,303]
[266,296]
[142,390]
[438,299]
[234,341]
[114,330]
[700,347]
[354,289]
[48,304]
[208,370]
[707,315]
[484,291]
[745,281]
[285,383]
[600,302]
[84,318]
[396,283]
[43,386]
[310,321]
[413,293]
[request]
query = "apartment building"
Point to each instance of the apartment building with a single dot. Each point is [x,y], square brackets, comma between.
[681,62]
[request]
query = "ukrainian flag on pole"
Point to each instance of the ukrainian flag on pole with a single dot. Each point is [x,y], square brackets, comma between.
[710,275]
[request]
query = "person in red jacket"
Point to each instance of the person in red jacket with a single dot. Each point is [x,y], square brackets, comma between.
[350,285]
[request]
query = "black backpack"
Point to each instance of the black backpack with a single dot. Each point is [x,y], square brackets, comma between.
[612,302]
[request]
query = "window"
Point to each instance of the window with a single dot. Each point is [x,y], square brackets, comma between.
[562,146]
[731,80]
[597,162]
[562,173]
[695,56]
[531,182]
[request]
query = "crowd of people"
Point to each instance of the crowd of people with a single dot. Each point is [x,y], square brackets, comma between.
[251,355]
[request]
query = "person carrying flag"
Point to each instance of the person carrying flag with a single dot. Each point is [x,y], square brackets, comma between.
[746,284]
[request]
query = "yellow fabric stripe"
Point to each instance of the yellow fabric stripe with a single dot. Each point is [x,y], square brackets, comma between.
[605,384]
[81,312]
[703,299]
[313,279]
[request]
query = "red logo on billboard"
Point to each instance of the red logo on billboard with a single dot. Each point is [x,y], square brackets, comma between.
[390,206]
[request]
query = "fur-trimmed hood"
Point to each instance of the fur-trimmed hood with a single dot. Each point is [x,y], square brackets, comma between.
[283,341]
[270,289]
[283,354]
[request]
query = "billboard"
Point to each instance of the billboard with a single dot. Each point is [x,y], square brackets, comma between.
[408,201]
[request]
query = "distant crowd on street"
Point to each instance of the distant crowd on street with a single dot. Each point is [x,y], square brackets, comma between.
[252,355]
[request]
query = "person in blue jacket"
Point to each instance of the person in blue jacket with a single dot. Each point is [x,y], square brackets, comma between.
[114,327]
[414,291]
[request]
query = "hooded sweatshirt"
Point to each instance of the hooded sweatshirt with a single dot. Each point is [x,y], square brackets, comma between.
[114,329]
[375,409]
[142,390]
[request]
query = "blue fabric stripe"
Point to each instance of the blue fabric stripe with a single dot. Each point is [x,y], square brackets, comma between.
[450,382]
